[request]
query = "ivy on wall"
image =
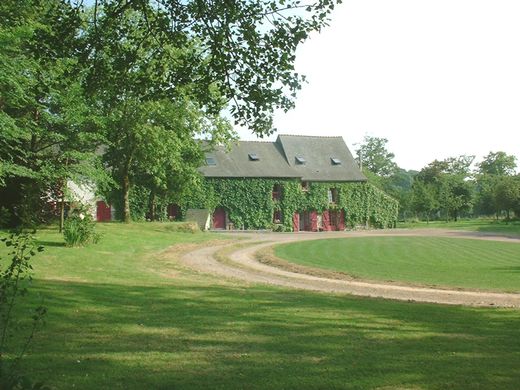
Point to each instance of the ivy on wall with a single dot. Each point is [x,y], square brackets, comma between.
[249,203]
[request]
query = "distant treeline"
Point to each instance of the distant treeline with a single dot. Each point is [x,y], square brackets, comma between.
[446,189]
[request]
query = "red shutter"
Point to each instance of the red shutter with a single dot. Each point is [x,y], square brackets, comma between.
[325,219]
[314,221]
[296,222]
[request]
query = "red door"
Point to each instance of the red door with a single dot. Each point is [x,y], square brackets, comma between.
[174,212]
[103,212]
[219,218]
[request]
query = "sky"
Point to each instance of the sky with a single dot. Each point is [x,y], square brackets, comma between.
[437,78]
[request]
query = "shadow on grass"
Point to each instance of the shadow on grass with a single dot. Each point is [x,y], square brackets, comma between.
[507,269]
[191,337]
[50,243]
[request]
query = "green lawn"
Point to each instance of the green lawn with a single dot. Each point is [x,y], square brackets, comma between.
[476,225]
[121,316]
[451,262]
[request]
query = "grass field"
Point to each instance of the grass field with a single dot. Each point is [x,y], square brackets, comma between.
[477,225]
[122,315]
[450,262]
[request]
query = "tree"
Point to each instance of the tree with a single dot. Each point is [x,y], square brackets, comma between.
[153,145]
[49,131]
[198,55]
[243,50]
[400,187]
[497,163]
[375,158]
[450,182]
[492,175]
[424,199]
[507,194]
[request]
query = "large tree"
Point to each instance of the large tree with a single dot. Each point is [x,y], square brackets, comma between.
[497,163]
[240,53]
[492,178]
[374,156]
[49,131]
[449,181]
[200,54]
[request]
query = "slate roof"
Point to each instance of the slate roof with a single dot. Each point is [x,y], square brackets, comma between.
[318,153]
[278,160]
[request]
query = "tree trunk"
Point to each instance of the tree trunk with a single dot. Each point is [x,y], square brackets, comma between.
[62,209]
[126,199]
[152,204]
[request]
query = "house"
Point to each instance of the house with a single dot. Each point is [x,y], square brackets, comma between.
[297,183]
[85,194]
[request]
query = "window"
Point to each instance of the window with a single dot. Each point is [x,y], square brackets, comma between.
[300,160]
[335,161]
[333,195]
[305,186]
[253,157]
[277,216]
[277,192]
[211,161]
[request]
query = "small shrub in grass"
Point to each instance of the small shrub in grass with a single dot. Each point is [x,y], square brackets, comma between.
[79,228]
[15,276]
[183,227]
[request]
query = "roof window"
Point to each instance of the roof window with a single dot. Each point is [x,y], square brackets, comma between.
[335,161]
[253,157]
[300,160]
[211,161]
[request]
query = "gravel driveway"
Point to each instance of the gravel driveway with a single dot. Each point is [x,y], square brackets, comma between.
[241,264]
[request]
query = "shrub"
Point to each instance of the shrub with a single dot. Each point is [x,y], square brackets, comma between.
[79,228]
[183,227]
[14,279]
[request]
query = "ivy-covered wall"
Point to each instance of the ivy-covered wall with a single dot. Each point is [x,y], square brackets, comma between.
[249,203]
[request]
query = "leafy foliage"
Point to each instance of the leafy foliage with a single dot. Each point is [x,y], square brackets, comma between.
[250,204]
[13,284]
[374,156]
[444,186]
[49,128]
[240,52]
[79,228]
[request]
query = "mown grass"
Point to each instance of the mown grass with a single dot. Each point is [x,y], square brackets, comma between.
[450,262]
[115,322]
[511,228]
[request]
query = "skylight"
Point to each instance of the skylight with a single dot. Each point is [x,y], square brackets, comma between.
[253,157]
[211,161]
[335,161]
[300,160]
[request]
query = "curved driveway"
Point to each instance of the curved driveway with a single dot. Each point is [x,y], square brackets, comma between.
[241,264]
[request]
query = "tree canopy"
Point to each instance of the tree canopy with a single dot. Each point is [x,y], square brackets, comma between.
[116,72]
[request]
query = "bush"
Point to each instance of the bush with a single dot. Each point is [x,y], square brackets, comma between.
[79,228]
[15,277]
[278,227]
[183,227]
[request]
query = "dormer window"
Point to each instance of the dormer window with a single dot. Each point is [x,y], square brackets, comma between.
[300,160]
[211,161]
[253,157]
[335,161]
